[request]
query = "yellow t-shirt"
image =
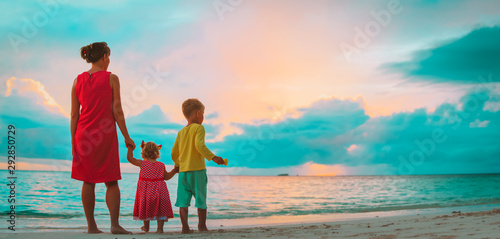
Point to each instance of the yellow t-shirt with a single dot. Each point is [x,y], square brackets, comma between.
[190,149]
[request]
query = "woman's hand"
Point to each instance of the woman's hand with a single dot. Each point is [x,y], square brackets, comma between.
[129,143]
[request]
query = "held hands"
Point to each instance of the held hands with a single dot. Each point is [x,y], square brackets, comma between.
[130,143]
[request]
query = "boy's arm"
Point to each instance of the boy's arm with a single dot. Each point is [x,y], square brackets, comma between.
[131,159]
[175,152]
[199,143]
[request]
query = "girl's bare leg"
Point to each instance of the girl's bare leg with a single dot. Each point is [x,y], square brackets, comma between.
[113,203]
[160,226]
[88,202]
[145,228]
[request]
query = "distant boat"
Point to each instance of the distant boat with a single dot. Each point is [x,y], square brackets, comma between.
[283,174]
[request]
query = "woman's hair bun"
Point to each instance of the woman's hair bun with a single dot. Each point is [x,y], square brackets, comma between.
[95,51]
[84,51]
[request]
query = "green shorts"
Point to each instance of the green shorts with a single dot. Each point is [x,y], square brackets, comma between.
[192,183]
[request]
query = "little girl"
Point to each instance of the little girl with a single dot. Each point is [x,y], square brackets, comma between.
[152,200]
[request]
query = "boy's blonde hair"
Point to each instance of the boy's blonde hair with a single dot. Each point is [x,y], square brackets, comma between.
[190,106]
[150,150]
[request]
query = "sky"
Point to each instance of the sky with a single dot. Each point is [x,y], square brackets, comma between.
[300,87]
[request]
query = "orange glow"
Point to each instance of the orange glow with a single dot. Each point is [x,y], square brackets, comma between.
[378,111]
[314,169]
[352,148]
[66,166]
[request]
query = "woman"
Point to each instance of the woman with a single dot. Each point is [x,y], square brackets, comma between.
[93,133]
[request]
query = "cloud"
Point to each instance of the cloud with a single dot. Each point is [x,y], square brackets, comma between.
[478,123]
[284,64]
[38,132]
[352,148]
[291,142]
[213,115]
[35,90]
[443,141]
[41,125]
[461,60]
[338,132]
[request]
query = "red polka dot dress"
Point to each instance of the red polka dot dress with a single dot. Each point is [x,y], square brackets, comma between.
[152,200]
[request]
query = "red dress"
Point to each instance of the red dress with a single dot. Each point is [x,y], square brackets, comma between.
[152,200]
[95,151]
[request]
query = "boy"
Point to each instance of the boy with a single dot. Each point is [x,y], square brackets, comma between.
[190,148]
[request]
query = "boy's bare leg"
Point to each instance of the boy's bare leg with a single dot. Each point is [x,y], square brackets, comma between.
[88,201]
[145,228]
[113,203]
[202,220]
[184,219]
[160,226]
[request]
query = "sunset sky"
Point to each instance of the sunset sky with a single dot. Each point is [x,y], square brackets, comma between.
[298,87]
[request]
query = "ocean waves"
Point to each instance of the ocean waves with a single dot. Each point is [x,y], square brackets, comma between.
[54,196]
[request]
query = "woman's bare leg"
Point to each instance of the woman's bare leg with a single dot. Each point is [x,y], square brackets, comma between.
[113,203]
[88,202]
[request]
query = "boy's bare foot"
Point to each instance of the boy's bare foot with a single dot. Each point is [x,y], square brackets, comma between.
[145,229]
[203,228]
[186,230]
[93,231]
[119,230]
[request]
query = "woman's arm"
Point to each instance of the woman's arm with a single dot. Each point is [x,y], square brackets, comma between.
[130,157]
[117,109]
[75,112]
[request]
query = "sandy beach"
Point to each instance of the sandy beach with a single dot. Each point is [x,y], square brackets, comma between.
[483,224]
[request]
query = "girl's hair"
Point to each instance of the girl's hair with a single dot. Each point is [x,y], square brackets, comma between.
[95,51]
[151,150]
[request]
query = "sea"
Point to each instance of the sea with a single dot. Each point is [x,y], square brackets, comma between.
[48,201]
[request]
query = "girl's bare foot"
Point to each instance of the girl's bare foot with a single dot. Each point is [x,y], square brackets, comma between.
[119,230]
[93,231]
[159,229]
[145,228]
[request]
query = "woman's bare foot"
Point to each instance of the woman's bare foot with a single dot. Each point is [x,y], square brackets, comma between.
[202,228]
[119,230]
[159,231]
[93,231]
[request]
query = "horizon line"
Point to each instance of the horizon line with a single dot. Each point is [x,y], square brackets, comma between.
[297,175]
